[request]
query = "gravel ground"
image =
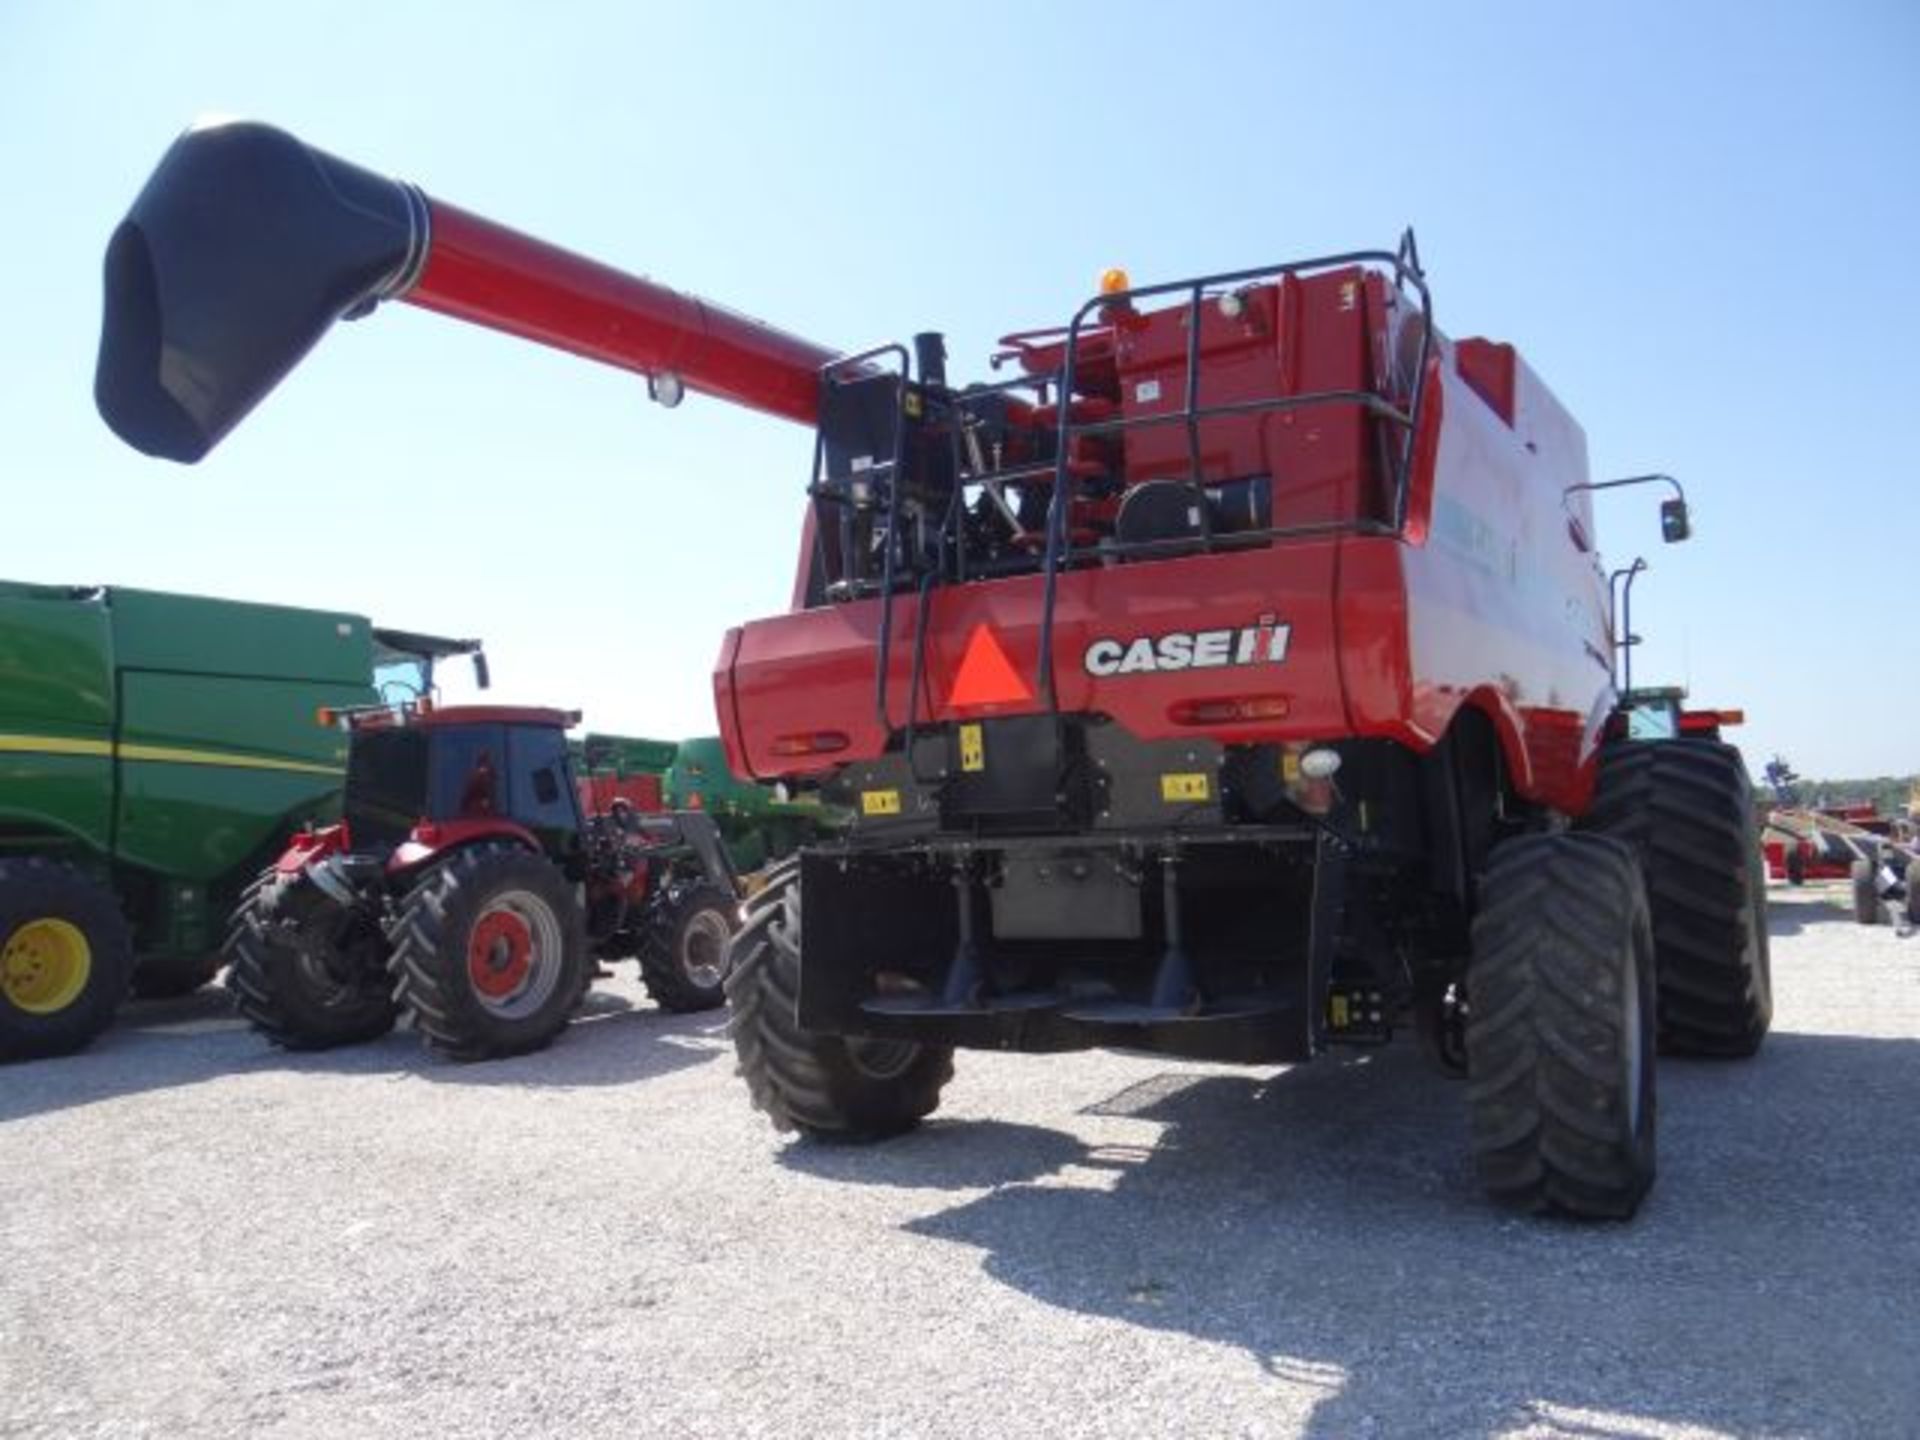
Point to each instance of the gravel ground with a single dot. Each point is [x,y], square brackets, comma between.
[201,1236]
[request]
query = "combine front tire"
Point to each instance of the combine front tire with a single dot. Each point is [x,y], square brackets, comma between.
[304,972]
[65,955]
[827,1086]
[1686,808]
[490,953]
[1560,1030]
[683,956]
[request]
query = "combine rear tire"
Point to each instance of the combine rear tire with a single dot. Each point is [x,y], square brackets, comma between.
[683,956]
[1866,892]
[490,953]
[827,1086]
[165,976]
[1686,809]
[65,955]
[305,973]
[1560,1031]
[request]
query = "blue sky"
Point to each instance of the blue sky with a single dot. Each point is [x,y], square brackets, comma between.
[1693,220]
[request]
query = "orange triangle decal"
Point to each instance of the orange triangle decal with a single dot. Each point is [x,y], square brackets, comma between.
[986,676]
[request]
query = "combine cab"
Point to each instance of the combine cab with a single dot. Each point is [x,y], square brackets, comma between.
[1229,678]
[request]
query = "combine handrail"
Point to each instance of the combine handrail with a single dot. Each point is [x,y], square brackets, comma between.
[1405,266]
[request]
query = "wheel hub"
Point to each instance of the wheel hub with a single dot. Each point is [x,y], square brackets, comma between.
[500,954]
[703,949]
[45,966]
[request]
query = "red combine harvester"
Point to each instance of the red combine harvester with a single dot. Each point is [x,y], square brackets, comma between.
[1231,679]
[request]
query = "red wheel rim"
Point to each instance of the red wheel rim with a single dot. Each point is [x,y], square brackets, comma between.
[499,954]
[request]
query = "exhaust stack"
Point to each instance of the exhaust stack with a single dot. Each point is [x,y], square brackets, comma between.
[246,245]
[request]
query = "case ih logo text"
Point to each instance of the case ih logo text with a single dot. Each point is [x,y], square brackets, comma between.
[1263,644]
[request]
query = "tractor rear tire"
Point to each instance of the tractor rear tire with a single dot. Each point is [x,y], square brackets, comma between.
[163,977]
[304,972]
[1866,892]
[1560,1033]
[1686,809]
[829,1087]
[65,957]
[490,953]
[683,954]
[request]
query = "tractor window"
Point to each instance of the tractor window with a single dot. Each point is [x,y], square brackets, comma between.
[1652,722]
[399,676]
[386,785]
[543,798]
[468,764]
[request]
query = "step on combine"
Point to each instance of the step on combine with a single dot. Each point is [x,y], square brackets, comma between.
[1229,676]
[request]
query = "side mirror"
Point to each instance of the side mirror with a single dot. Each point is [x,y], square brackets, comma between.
[482,676]
[1674,524]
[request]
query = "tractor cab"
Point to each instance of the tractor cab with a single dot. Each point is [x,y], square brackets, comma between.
[423,777]
[404,662]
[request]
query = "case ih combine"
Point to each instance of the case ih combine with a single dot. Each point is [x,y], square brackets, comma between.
[1230,679]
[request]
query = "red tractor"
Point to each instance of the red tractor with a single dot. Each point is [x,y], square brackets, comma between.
[1230,679]
[467,888]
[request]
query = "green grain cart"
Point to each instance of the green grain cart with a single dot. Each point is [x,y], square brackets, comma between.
[155,752]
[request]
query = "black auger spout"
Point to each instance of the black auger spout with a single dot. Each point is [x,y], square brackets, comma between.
[240,252]
[246,245]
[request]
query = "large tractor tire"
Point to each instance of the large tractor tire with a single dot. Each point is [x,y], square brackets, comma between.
[304,972]
[162,977]
[490,953]
[65,957]
[1866,892]
[1560,1028]
[825,1086]
[683,955]
[1686,809]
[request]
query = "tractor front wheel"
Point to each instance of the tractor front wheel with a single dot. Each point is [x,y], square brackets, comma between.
[65,956]
[490,953]
[683,954]
[827,1086]
[1560,1030]
[305,972]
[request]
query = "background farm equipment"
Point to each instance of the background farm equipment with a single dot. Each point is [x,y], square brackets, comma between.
[158,749]
[468,887]
[1878,855]
[1232,681]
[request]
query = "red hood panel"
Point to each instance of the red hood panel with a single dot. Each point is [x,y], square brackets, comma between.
[1130,641]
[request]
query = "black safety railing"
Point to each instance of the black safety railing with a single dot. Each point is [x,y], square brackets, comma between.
[955,411]
[1403,264]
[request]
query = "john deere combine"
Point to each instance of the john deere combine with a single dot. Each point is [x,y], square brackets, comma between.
[155,751]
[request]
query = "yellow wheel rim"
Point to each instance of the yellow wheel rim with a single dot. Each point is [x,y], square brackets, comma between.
[45,966]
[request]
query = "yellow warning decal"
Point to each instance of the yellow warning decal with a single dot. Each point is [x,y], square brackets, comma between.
[1337,1015]
[879,802]
[973,749]
[1183,787]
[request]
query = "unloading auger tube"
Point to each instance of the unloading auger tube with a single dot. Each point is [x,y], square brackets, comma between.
[246,245]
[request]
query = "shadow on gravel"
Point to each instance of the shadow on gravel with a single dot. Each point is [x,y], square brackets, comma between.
[161,1044]
[1327,1221]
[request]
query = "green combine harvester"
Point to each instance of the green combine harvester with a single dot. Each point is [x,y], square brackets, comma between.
[156,751]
